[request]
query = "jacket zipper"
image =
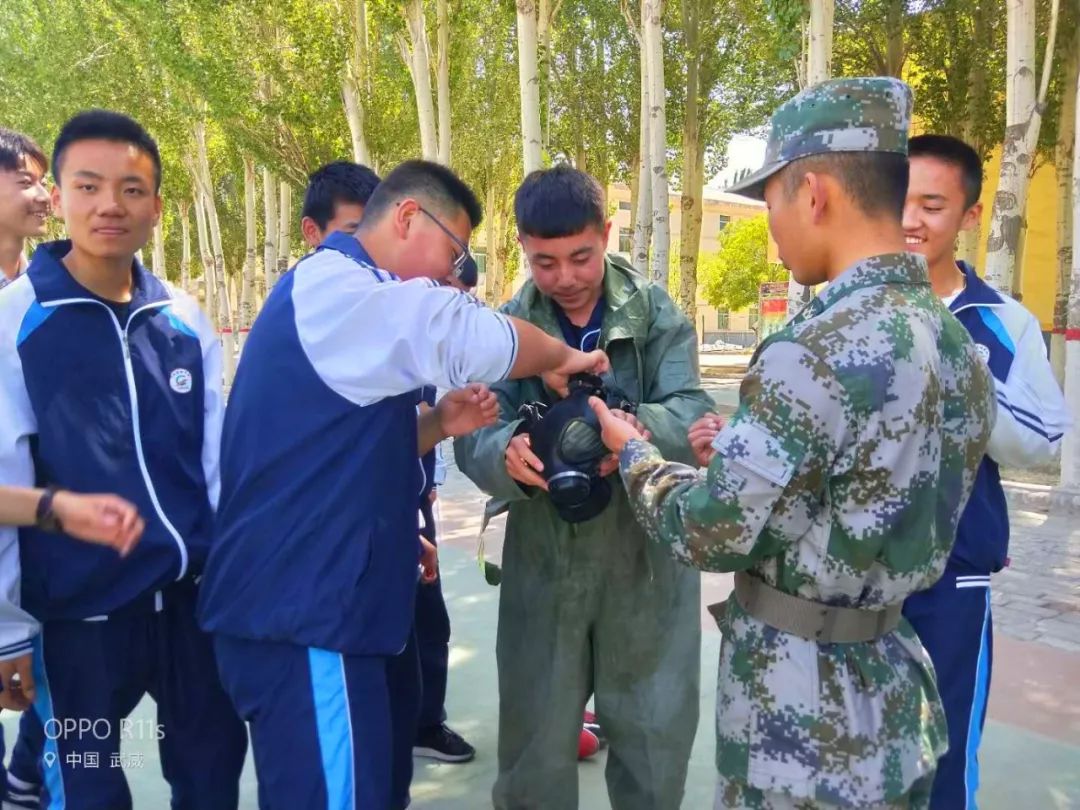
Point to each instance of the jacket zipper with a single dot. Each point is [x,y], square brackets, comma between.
[133,398]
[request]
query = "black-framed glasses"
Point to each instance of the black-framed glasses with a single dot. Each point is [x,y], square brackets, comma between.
[464,265]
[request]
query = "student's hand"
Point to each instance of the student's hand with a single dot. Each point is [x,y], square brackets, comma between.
[558,380]
[429,561]
[701,436]
[522,464]
[614,431]
[17,682]
[102,519]
[467,409]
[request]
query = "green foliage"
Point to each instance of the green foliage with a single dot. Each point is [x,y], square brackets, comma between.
[957,68]
[730,278]
[788,16]
[266,78]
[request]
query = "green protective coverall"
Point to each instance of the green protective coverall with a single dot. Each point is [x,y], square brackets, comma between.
[595,607]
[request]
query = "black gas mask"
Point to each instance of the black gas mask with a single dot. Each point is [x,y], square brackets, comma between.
[565,436]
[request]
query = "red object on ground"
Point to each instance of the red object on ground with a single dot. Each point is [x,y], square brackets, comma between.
[588,745]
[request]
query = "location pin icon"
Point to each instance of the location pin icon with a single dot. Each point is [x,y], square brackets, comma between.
[49,758]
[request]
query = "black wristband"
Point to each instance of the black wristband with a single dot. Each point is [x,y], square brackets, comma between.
[46,517]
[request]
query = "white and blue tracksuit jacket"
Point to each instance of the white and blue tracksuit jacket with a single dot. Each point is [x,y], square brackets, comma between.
[1032,416]
[315,536]
[91,404]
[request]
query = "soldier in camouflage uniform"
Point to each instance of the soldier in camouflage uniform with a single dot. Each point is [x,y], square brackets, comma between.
[835,490]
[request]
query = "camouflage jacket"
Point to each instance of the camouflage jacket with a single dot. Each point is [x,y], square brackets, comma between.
[840,478]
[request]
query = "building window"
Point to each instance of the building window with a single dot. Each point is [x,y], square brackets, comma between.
[626,240]
[624,205]
[481,261]
[722,222]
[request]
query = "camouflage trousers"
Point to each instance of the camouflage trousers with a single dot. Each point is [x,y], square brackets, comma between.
[732,795]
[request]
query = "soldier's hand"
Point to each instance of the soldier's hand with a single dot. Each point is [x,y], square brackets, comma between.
[614,431]
[701,436]
[522,463]
[17,683]
[608,465]
[632,420]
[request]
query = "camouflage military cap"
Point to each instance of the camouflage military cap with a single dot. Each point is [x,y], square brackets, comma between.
[845,115]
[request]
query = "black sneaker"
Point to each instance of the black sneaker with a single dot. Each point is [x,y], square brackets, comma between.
[442,743]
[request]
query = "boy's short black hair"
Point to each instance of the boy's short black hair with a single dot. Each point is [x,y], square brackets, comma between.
[560,201]
[877,182]
[431,184]
[956,153]
[16,149]
[105,125]
[339,182]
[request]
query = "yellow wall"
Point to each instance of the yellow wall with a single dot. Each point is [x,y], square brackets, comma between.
[1039,272]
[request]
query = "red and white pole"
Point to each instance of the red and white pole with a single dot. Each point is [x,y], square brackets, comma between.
[1070,450]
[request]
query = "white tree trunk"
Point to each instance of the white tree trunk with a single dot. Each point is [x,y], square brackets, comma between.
[967,247]
[416,56]
[529,81]
[443,82]
[491,282]
[206,283]
[654,46]
[247,290]
[1063,160]
[1023,118]
[226,314]
[226,318]
[184,208]
[818,69]
[353,83]
[270,227]
[693,171]
[529,87]
[1070,451]
[643,215]
[819,58]
[354,114]
[158,256]
[284,229]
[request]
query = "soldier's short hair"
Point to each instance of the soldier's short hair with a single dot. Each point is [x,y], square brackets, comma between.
[876,182]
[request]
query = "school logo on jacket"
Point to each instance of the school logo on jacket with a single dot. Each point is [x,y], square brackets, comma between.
[180,381]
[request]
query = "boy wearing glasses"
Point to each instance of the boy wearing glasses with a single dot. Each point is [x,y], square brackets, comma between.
[310,584]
